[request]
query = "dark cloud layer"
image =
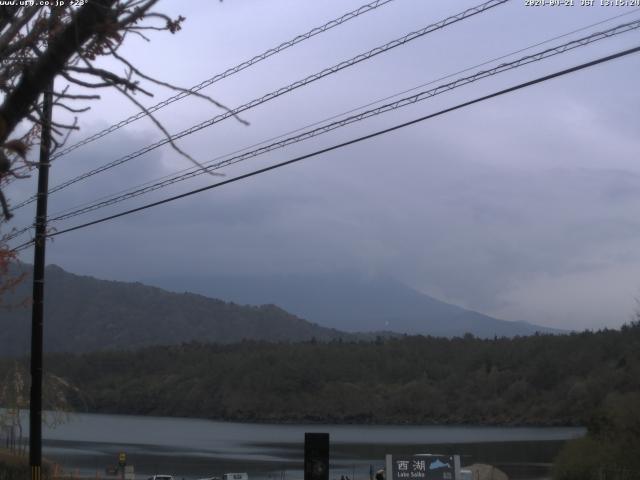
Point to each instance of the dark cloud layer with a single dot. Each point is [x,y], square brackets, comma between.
[524,207]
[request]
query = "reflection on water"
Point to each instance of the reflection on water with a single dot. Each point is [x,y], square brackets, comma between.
[193,448]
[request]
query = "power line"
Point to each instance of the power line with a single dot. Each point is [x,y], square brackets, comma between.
[333,117]
[229,72]
[281,91]
[17,233]
[336,116]
[355,118]
[220,76]
[192,172]
[350,142]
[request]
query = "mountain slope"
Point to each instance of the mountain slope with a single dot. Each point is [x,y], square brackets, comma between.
[353,303]
[85,314]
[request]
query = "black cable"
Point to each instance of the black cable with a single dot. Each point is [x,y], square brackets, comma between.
[411,100]
[470,12]
[191,172]
[350,142]
[227,73]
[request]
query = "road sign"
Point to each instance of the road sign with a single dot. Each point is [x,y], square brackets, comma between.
[122,459]
[423,467]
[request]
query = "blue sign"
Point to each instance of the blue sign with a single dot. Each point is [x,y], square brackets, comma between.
[422,467]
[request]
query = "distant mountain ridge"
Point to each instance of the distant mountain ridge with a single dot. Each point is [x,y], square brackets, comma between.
[353,303]
[84,314]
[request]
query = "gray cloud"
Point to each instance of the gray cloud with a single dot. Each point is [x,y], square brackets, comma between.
[524,207]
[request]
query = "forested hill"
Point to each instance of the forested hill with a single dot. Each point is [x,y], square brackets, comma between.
[542,379]
[85,314]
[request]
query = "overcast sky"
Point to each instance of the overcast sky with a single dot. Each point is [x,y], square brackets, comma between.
[524,207]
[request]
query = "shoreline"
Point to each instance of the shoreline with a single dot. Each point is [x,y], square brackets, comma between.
[314,420]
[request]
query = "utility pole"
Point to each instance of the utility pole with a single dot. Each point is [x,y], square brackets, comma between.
[37,311]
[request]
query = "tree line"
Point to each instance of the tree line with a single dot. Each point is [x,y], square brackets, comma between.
[536,380]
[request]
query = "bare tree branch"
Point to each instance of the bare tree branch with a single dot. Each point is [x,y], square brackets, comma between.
[6,48]
[166,133]
[180,89]
[38,44]
[88,20]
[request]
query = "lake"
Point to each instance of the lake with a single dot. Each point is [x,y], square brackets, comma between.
[195,448]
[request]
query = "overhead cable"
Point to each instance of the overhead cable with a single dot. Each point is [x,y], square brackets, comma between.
[347,143]
[277,93]
[347,112]
[403,102]
[235,157]
[227,73]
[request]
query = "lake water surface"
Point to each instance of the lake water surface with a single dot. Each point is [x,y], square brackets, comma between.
[194,448]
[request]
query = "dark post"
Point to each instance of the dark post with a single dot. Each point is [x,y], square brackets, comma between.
[316,456]
[35,409]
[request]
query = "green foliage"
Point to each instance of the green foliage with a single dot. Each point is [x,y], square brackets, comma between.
[611,449]
[122,315]
[538,380]
[580,459]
